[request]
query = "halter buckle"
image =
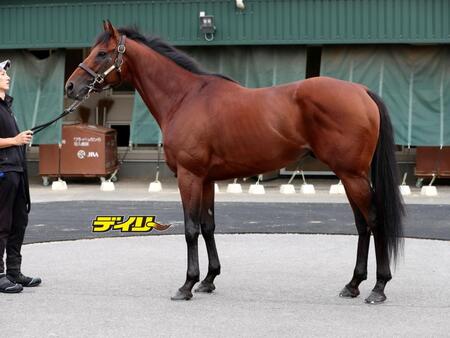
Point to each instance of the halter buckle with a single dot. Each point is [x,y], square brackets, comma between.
[121,49]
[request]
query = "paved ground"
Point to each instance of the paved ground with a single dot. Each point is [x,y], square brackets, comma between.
[272,285]
[52,221]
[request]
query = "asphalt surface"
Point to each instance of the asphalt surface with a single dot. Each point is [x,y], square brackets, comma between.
[270,286]
[56,221]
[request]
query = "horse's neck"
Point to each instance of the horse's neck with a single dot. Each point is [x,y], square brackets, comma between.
[161,83]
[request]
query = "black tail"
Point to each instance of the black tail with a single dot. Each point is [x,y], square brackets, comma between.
[385,181]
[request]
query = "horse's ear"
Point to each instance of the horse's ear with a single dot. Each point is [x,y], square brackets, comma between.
[108,27]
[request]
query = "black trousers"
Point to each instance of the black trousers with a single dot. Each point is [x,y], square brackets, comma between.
[13,219]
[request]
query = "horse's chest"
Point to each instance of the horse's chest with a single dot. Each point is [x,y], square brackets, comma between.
[184,155]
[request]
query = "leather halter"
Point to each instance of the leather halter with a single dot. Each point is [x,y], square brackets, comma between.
[99,78]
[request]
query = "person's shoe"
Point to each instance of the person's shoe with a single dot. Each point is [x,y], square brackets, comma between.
[6,286]
[24,280]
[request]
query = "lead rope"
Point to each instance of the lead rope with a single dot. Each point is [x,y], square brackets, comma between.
[67,111]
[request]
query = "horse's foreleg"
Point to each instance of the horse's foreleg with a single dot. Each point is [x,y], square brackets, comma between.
[208,226]
[191,189]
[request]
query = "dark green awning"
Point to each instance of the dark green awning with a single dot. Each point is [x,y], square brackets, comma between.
[414,81]
[38,90]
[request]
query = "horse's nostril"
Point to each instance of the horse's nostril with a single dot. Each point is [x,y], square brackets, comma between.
[69,87]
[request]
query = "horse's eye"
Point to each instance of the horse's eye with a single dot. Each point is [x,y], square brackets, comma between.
[102,54]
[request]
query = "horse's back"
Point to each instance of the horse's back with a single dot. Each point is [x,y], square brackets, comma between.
[329,90]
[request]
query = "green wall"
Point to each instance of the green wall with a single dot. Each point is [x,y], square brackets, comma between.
[53,24]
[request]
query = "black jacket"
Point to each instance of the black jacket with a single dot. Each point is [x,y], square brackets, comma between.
[11,158]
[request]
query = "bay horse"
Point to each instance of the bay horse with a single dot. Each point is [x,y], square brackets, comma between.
[215,129]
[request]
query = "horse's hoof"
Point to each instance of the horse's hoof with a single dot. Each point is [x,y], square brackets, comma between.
[349,292]
[376,297]
[182,295]
[205,287]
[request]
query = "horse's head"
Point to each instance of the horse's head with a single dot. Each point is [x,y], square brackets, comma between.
[103,66]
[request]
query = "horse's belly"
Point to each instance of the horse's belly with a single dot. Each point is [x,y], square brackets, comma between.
[252,164]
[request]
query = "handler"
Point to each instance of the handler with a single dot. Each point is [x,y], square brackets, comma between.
[14,192]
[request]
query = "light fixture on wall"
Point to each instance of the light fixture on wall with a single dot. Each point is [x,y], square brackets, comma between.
[240,4]
[207,26]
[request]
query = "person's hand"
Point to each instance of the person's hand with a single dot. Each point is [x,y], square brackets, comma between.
[24,137]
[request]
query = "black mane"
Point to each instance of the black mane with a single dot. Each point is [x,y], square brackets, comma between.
[163,48]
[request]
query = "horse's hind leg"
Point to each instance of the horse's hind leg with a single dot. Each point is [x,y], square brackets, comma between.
[351,290]
[208,226]
[360,196]
[383,269]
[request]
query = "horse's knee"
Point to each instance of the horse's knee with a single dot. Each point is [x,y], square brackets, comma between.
[191,233]
[191,237]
